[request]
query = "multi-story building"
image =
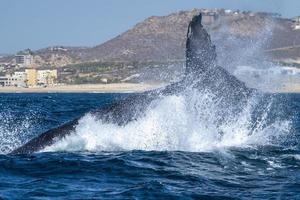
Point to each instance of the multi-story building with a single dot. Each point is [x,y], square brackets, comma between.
[24,58]
[31,77]
[17,79]
[46,77]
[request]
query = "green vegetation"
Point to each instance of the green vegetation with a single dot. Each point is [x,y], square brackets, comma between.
[297,65]
[93,66]
[111,72]
[90,80]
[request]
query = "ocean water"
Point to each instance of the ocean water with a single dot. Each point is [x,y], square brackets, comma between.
[175,151]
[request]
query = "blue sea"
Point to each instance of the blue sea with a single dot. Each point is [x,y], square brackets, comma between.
[167,154]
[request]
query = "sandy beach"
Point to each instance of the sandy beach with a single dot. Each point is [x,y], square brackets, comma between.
[89,88]
[290,88]
[118,88]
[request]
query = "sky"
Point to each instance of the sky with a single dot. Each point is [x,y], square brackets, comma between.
[38,24]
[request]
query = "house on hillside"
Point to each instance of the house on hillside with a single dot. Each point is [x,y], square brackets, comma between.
[209,16]
[296,23]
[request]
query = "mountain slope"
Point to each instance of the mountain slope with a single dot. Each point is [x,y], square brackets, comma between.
[163,39]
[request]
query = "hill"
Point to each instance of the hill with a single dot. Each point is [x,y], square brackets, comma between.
[156,46]
[162,38]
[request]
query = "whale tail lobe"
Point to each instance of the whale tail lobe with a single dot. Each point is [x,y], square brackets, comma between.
[200,52]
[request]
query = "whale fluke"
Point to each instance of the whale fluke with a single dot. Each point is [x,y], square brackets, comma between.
[200,52]
[201,62]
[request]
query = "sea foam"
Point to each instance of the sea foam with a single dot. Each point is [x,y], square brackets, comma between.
[183,122]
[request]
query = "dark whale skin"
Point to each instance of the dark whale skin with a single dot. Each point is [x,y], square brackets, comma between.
[201,72]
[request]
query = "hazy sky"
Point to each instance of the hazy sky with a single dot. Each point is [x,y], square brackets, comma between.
[40,23]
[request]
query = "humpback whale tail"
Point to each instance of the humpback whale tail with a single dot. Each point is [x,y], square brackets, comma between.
[202,67]
[200,52]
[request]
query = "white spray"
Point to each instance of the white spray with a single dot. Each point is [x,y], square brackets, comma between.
[184,122]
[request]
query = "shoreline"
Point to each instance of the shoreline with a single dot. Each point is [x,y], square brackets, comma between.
[117,88]
[85,88]
[290,88]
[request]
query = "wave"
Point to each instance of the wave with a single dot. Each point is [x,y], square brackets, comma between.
[189,121]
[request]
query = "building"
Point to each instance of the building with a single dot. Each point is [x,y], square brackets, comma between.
[19,79]
[46,77]
[24,58]
[5,81]
[8,65]
[296,24]
[58,48]
[228,12]
[40,77]
[31,77]
[209,16]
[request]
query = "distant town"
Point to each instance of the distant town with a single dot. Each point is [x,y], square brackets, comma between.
[27,76]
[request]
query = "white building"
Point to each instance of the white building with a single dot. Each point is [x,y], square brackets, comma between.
[228,11]
[46,77]
[18,79]
[296,26]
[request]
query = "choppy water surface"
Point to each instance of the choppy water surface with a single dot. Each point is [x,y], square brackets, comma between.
[171,152]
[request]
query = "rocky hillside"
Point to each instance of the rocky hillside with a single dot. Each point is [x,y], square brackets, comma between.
[163,39]
[156,38]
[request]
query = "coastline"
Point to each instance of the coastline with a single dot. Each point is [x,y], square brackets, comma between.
[118,88]
[290,88]
[85,88]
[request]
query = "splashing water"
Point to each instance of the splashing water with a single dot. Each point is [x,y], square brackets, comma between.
[185,122]
[24,116]
[14,129]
